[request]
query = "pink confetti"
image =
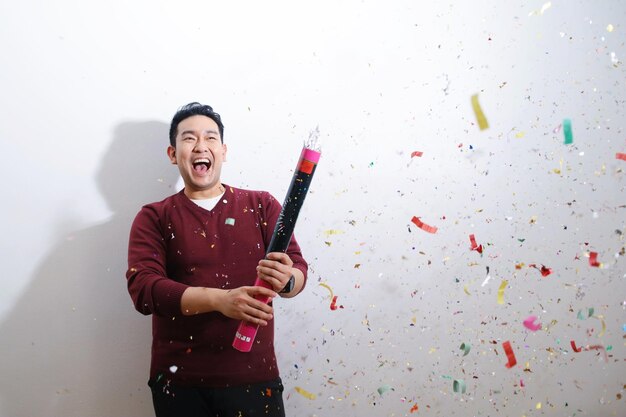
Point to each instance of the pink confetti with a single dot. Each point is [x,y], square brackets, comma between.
[529,323]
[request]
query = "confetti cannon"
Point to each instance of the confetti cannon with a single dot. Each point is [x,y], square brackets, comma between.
[284,228]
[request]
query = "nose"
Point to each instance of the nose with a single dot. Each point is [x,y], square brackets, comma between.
[202,145]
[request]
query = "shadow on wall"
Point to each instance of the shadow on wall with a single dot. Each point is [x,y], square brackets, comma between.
[74,345]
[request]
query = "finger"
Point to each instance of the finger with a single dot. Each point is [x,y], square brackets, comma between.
[259,313]
[262,310]
[268,271]
[275,270]
[255,320]
[274,282]
[280,257]
[261,291]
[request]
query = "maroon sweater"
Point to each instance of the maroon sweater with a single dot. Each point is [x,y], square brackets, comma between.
[175,244]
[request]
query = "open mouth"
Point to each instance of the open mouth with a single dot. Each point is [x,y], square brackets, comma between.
[201,165]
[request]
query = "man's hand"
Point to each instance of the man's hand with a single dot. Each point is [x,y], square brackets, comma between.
[239,303]
[275,269]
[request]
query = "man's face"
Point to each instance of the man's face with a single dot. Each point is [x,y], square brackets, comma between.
[199,154]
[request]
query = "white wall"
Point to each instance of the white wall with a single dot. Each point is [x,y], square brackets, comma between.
[88,90]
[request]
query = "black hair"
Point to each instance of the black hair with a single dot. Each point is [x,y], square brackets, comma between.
[194,109]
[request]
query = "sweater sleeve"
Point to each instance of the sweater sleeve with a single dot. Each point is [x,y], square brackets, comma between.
[151,290]
[272,211]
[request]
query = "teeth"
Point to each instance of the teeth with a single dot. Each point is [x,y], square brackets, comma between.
[202,161]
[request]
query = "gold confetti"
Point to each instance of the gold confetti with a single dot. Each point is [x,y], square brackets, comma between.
[501,291]
[333,232]
[306,393]
[480,116]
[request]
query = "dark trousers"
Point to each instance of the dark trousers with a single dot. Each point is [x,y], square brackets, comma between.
[263,399]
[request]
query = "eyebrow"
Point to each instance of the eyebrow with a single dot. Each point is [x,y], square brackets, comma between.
[210,131]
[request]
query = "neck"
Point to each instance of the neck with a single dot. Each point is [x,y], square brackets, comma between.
[204,194]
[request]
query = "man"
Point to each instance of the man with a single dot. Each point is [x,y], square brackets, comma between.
[192,259]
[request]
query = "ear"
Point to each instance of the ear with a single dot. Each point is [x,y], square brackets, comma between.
[171,153]
[224,149]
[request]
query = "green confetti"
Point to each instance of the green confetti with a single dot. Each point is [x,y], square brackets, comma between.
[589,313]
[567,131]
[459,386]
[384,389]
[230,221]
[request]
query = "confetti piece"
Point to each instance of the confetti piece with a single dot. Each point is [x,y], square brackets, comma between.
[466,290]
[520,135]
[414,408]
[333,298]
[509,354]
[599,347]
[465,347]
[268,392]
[545,271]
[567,131]
[487,278]
[458,386]
[333,232]
[601,318]
[423,226]
[230,221]
[521,383]
[383,389]
[321,284]
[475,246]
[501,291]
[480,116]
[614,60]
[538,406]
[306,393]
[593,260]
[529,323]
[545,7]
[589,313]
[416,153]
[621,156]
[573,344]
[609,28]
[173,369]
